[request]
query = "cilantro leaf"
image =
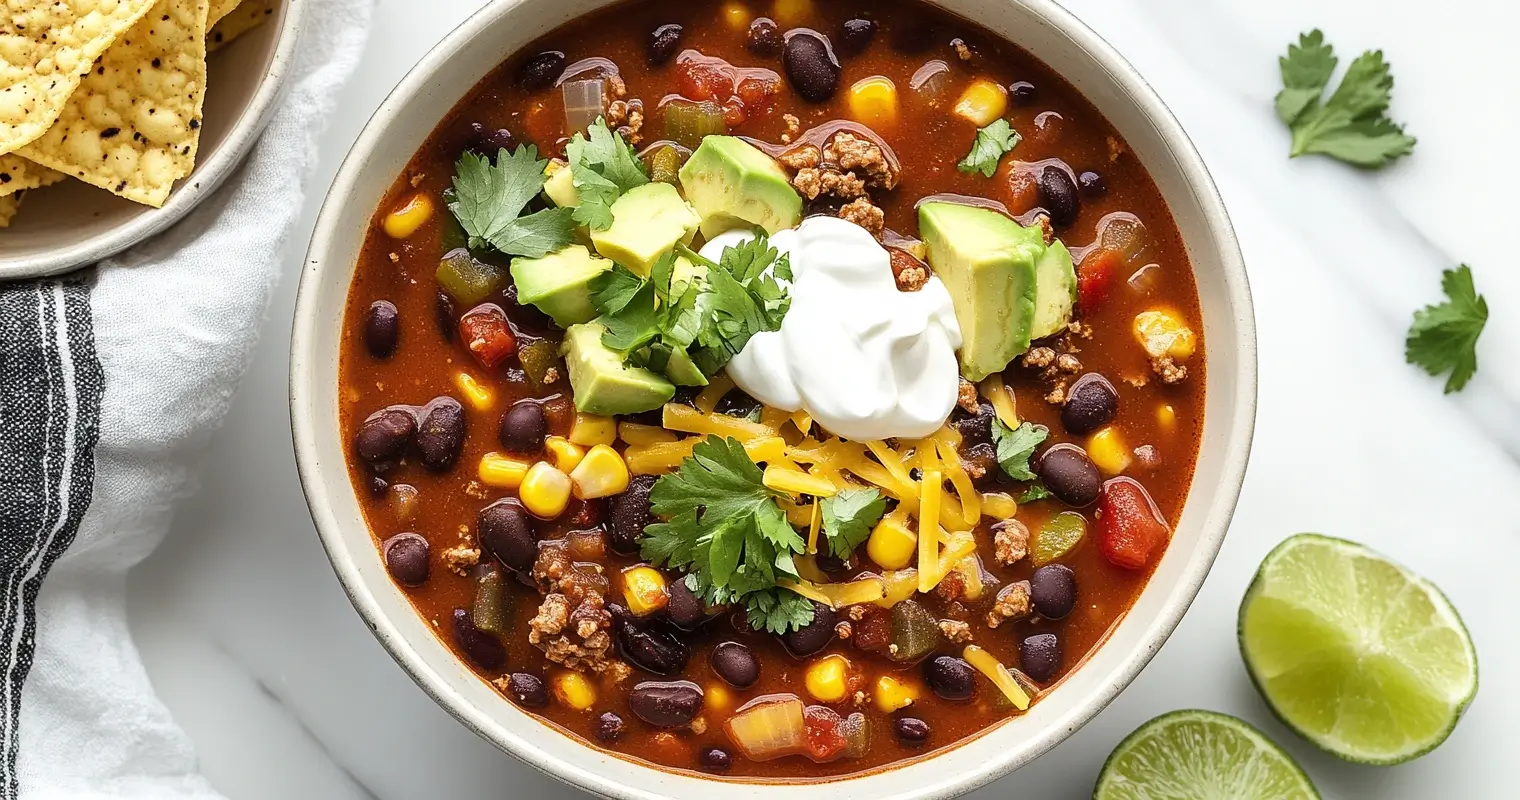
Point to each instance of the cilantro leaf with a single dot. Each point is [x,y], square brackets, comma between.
[778,610]
[1016,446]
[989,147]
[1445,337]
[602,167]
[848,518]
[488,198]
[741,296]
[1352,125]
[614,289]
[1036,491]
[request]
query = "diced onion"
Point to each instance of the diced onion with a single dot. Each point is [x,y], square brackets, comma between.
[768,727]
[585,100]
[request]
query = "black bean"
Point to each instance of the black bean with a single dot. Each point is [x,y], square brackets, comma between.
[1092,184]
[683,607]
[810,64]
[382,327]
[666,704]
[649,646]
[1058,194]
[524,427]
[406,558]
[1053,590]
[504,530]
[949,677]
[764,37]
[975,428]
[663,42]
[541,71]
[738,403]
[736,664]
[489,142]
[1022,94]
[609,727]
[445,315]
[855,36]
[1040,656]
[1091,403]
[440,437]
[911,731]
[527,690]
[481,648]
[716,759]
[815,635]
[630,513]
[1070,475]
[384,436]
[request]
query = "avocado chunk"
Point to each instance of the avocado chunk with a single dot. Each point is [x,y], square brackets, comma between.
[987,262]
[560,187]
[559,283]
[602,383]
[732,184]
[682,371]
[647,221]
[1055,294]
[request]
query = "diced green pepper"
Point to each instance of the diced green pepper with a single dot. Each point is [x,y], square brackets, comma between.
[468,279]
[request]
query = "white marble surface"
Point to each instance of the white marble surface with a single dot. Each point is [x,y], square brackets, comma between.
[259,655]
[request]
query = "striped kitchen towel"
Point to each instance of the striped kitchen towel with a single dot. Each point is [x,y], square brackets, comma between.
[111,381]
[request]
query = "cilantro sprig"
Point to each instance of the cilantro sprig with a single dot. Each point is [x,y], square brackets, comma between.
[488,200]
[989,147]
[1444,337]
[1352,125]
[602,166]
[1015,446]
[741,296]
[848,518]
[647,321]
[724,528]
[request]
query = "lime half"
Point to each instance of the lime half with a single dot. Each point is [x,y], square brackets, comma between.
[1355,653]
[1201,755]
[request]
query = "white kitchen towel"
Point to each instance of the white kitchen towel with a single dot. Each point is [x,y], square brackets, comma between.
[111,381]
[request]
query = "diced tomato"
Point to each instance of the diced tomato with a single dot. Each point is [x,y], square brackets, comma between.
[485,332]
[824,741]
[1131,530]
[1095,277]
[744,92]
[733,112]
[704,79]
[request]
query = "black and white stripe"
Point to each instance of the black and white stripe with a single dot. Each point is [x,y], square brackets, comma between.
[50,391]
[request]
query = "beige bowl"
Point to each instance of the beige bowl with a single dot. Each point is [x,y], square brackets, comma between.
[399,127]
[72,224]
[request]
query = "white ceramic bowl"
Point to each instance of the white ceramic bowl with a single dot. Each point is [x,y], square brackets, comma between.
[399,127]
[71,224]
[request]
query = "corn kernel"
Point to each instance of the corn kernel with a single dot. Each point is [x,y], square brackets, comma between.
[501,472]
[635,433]
[791,13]
[545,491]
[1166,416]
[791,481]
[1106,449]
[563,454]
[891,545]
[572,689]
[602,473]
[982,103]
[644,589]
[892,694]
[827,679]
[1163,333]
[717,698]
[999,506]
[736,16]
[479,396]
[408,217]
[873,101]
[590,429]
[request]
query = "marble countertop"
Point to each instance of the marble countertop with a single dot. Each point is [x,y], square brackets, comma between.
[259,655]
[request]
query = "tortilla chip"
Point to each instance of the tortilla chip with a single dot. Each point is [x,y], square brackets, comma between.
[45,48]
[246,16]
[133,126]
[17,175]
[219,9]
[9,205]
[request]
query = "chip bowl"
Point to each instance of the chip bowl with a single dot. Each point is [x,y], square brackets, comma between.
[72,224]
[1042,27]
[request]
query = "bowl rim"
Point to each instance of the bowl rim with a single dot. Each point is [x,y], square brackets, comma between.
[195,187]
[1237,431]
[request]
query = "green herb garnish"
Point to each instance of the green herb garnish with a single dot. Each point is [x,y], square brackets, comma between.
[1445,337]
[1352,125]
[488,200]
[738,300]
[602,166]
[1016,446]
[1036,491]
[991,144]
[848,518]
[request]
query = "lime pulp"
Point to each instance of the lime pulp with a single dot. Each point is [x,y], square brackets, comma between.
[1201,755]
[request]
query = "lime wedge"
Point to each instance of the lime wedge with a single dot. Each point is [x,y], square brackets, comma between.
[1200,755]
[1355,653]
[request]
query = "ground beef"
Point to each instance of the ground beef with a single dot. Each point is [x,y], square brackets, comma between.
[1010,542]
[956,631]
[811,182]
[793,127]
[1047,232]
[843,629]
[965,397]
[910,273]
[1169,370]
[857,154]
[861,212]
[952,587]
[1039,357]
[1068,364]
[804,157]
[962,50]
[460,558]
[1057,394]
[576,637]
[1012,604]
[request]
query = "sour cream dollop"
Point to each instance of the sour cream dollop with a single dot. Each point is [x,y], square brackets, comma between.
[864,360]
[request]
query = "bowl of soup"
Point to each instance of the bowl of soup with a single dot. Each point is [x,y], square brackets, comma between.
[795,397]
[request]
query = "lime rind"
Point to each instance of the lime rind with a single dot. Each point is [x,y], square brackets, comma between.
[1201,755]
[1353,652]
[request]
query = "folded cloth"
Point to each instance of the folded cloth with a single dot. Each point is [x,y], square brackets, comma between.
[110,383]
